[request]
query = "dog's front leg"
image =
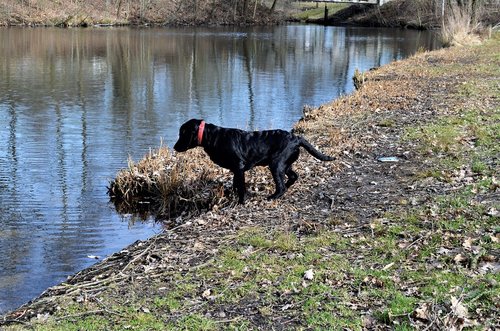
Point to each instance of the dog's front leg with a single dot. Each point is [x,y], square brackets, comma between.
[239,185]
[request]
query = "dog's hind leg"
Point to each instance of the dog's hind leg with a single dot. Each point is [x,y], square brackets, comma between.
[292,176]
[239,185]
[278,175]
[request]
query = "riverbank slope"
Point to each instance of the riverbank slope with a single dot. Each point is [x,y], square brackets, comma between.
[401,230]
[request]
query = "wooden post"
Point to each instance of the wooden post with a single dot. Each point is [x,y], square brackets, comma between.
[325,20]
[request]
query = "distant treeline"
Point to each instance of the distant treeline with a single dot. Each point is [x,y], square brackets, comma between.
[165,12]
[396,13]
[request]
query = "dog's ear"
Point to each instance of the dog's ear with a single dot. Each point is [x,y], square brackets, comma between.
[192,125]
[196,126]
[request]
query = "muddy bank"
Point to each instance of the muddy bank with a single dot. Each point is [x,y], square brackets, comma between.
[362,242]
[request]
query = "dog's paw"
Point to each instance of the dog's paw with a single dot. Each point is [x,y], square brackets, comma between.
[275,195]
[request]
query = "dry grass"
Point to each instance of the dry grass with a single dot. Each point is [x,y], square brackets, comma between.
[459,28]
[170,185]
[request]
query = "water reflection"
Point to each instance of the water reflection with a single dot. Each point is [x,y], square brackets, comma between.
[74,103]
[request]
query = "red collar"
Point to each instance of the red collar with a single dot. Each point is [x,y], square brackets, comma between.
[200,132]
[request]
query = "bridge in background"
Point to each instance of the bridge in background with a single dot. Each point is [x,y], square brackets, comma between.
[368,2]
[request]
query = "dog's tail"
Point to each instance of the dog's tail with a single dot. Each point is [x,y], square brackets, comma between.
[313,151]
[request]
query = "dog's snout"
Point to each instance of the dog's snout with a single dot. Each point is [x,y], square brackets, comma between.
[180,147]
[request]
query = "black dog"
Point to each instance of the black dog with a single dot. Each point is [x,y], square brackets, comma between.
[239,151]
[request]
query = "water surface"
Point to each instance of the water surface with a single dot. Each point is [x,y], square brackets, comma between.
[75,103]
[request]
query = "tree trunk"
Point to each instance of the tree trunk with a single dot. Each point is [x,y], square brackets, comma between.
[245,7]
[118,7]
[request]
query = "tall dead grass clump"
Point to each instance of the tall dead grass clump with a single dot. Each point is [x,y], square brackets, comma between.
[167,185]
[459,26]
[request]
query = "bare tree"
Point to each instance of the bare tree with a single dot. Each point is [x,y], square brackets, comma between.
[273,7]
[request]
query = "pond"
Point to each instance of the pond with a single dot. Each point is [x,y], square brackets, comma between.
[76,103]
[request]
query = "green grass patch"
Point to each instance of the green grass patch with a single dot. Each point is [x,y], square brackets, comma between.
[471,138]
[91,323]
[398,307]
[195,322]
[171,302]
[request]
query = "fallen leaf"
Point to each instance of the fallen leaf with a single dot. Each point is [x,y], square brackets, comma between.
[248,251]
[488,258]
[368,322]
[458,308]
[377,282]
[198,246]
[434,210]
[422,312]
[309,274]
[206,293]
[489,267]
[459,258]
[468,243]
[443,251]
[373,281]
[492,212]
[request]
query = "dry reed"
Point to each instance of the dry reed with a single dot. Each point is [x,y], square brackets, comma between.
[459,27]
[168,185]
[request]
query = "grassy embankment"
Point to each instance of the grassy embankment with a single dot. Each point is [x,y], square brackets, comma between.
[355,244]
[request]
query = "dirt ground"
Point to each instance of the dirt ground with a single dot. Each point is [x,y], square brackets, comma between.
[355,244]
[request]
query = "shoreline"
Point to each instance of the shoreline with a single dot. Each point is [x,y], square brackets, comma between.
[194,260]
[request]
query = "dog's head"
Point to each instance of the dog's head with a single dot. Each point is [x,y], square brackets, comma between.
[188,135]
